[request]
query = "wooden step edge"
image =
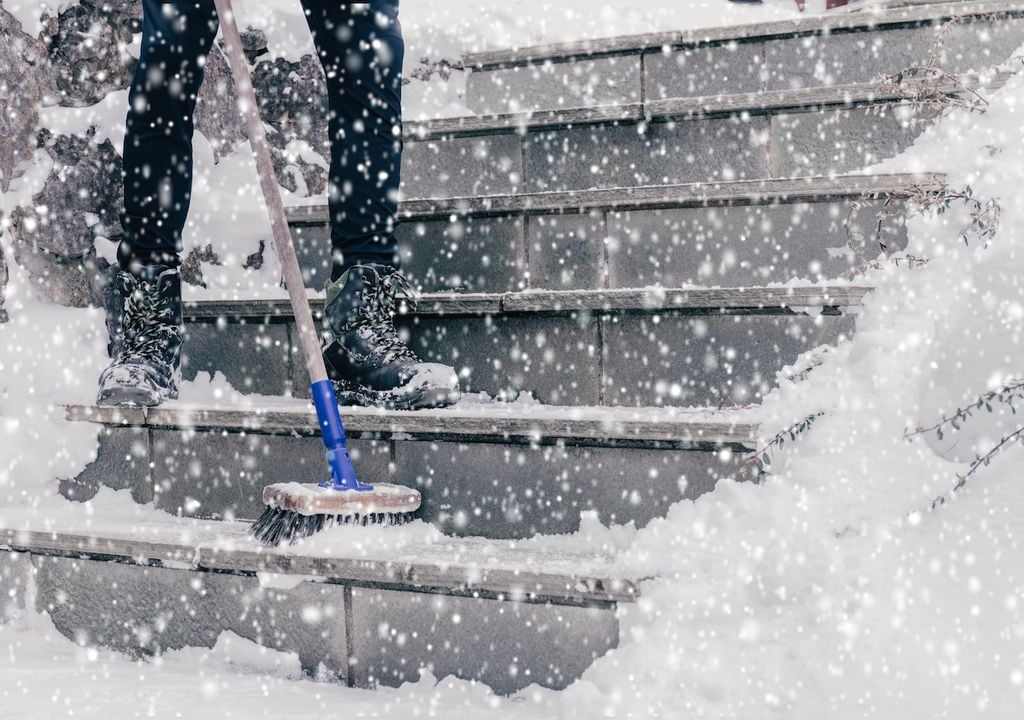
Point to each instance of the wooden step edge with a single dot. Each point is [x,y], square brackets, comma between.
[767,300]
[677,432]
[693,107]
[867,19]
[519,583]
[649,197]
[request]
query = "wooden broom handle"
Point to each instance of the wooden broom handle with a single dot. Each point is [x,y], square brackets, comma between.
[309,340]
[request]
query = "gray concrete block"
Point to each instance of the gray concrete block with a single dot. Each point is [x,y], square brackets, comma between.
[550,86]
[567,251]
[845,58]
[253,356]
[742,246]
[517,491]
[463,166]
[823,143]
[215,475]
[661,153]
[706,360]
[697,72]
[147,611]
[122,463]
[507,645]
[980,44]
[313,249]
[555,358]
[16,573]
[468,254]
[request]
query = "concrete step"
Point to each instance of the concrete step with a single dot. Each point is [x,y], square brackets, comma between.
[625,347]
[501,613]
[665,140]
[722,233]
[496,470]
[811,52]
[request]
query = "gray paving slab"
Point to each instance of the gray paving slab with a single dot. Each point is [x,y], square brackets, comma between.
[567,251]
[122,463]
[509,491]
[660,153]
[726,69]
[742,246]
[222,475]
[466,254]
[457,167]
[506,645]
[555,358]
[710,361]
[253,357]
[148,610]
[602,81]
[842,141]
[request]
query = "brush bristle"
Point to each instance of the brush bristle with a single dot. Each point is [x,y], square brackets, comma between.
[276,526]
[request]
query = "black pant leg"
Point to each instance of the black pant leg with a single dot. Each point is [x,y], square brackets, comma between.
[361,48]
[176,38]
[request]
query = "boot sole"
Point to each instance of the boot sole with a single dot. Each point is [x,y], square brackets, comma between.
[130,397]
[419,399]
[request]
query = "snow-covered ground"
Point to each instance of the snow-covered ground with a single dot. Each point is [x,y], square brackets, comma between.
[831,590]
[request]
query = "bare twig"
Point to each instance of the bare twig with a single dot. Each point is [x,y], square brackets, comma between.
[754,465]
[1004,396]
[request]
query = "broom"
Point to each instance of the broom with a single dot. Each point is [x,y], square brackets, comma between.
[295,510]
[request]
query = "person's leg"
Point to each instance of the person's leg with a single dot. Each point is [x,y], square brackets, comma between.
[176,38]
[146,326]
[360,46]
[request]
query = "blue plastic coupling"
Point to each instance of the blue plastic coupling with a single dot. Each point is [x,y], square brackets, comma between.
[343,475]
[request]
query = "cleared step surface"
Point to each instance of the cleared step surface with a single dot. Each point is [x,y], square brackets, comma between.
[486,611]
[641,348]
[812,52]
[484,469]
[736,233]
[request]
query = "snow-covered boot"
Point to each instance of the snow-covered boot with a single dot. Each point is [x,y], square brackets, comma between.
[145,338]
[365,357]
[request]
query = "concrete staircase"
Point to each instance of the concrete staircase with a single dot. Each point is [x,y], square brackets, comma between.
[628,228]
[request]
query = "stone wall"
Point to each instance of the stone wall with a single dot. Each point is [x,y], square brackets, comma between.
[76,61]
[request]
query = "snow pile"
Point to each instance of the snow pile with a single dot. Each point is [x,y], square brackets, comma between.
[831,590]
[50,356]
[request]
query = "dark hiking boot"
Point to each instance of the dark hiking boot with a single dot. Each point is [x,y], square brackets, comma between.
[365,357]
[145,338]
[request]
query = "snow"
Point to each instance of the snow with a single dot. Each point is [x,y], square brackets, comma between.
[829,590]
[46,675]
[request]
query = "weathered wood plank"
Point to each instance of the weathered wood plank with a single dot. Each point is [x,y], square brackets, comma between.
[558,302]
[427,304]
[519,581]
[744,192]
[548,424]
[774,101]
[660,299]
[871,18]
[485,124]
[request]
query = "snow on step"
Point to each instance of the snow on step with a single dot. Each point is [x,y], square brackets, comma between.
[546,607]
[466,421]
[699,194]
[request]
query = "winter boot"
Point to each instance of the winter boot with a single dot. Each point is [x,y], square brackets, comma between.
[365,357]
[145,338]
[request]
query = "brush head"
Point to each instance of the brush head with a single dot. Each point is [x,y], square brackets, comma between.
[316,500]
[295,511]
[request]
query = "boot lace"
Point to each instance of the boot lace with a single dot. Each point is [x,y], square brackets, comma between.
[148,326]
[376,318]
